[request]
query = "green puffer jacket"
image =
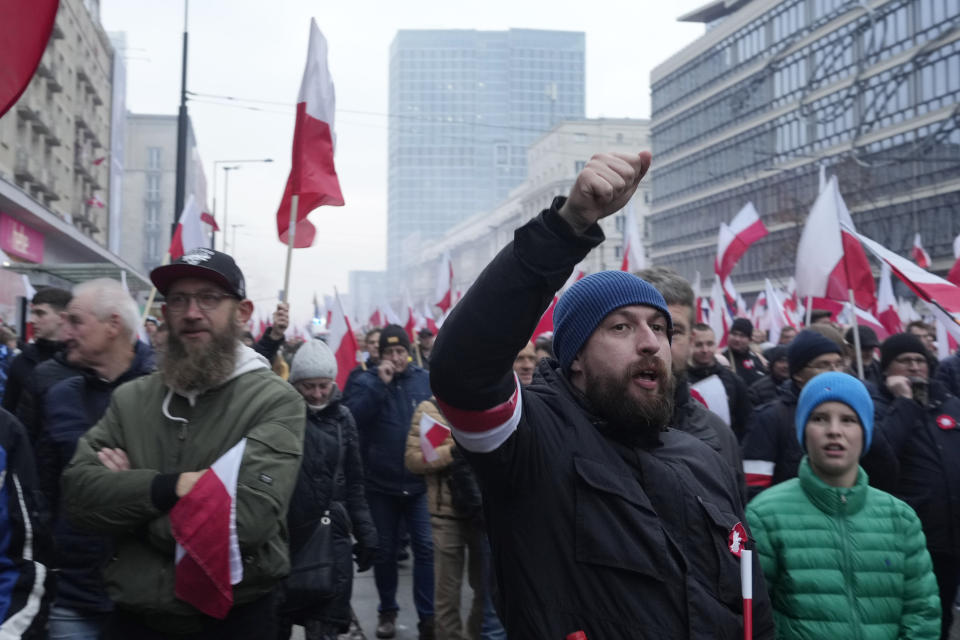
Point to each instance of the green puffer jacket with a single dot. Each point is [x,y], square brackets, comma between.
[844,563]
[164,432]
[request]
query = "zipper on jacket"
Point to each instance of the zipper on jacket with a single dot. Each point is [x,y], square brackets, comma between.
[848,568]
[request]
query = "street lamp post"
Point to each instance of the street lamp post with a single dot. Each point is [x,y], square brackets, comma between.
[216,165]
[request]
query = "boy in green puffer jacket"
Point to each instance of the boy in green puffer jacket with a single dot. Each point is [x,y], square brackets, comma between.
[842,559]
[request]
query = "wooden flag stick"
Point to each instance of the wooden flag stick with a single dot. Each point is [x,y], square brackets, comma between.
[856,334]
[153,292]
[291,234]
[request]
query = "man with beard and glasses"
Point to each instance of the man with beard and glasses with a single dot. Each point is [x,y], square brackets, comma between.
[601,518]
[143,472]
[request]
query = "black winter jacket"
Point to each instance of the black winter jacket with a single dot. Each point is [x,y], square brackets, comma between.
[926,443]
[383,414]
[44,376]
[948,374]
[737,397]
[746,365]
[766,389]
[71,407]
[22,366]
[587,534]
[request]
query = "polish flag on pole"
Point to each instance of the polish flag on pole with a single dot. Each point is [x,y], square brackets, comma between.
[432,435]
[928,287]
[428,320]
[189,234]
[410,326]
[634,258]
[389,315]
[444,292]
[376,319]
[948,333]
[342,341]
[210,220]
[887,304]
[204,524]
[734,239]
[830,261]
[697,298]
[719,319]
[313,178]
[791,305]
[776,315]
[954,275]
[919,254]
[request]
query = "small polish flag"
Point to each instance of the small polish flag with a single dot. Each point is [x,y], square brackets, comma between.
[443,296]
[94,201]
[204,524]
[99,161]
[189,233]
[919,254]
[342,341]
[210,220]
[432,435]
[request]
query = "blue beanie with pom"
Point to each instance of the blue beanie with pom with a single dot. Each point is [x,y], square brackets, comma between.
[589,300]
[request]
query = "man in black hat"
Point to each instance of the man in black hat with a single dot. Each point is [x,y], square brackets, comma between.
[744,362]
[920,421]
[868,351]
[197,554]
[770,387]
[383,400]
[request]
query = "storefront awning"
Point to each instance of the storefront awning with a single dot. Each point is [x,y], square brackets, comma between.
[81,272]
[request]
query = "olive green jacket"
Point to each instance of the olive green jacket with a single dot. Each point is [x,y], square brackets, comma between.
[163,432]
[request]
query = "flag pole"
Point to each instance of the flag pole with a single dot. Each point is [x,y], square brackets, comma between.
[291,234]
[746,589]
[856,335]
[809,311]
[153,292]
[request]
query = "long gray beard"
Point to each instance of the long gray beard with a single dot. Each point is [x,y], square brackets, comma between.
[200,368]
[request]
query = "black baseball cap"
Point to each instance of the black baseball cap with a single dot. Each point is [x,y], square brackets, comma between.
[205,264]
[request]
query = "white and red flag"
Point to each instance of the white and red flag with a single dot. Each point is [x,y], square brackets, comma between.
[410,326]
[546,321]
[432,435]
[711,392]
[190,233]
[634,256]
[927,286]
[24,33]
[866,318]
[776,316]
[443,297]
[313,176]
[95,201]
[342,341]
[887,312]
[919,254]
[204,524]
[376,318]
[954,275]
[719,319]
[830,261]
[734,239]
[428,320]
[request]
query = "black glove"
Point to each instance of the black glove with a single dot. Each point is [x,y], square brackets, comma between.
[364,556]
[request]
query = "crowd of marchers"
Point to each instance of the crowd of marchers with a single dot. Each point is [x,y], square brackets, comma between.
[181,478]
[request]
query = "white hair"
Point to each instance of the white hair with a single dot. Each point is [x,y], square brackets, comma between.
[109,298]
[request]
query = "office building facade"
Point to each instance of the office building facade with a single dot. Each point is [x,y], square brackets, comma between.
[774,90]
[464,107]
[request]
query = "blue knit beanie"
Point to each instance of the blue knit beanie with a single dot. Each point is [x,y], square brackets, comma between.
[834,386]
[589,300]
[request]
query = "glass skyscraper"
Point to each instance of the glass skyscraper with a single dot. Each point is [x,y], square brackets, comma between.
[464,107]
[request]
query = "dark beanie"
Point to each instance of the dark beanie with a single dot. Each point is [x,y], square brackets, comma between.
[743,325]
[778,352]
[868,337]
[897,345]
[393,335]
[589,300]
[807,346]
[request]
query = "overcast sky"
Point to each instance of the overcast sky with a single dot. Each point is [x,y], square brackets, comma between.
[256,50]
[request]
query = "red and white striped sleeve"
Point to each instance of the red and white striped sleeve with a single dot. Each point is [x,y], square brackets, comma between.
[758,473]
[484,431]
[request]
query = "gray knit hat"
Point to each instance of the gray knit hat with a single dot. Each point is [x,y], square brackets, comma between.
[313,360]
[590,300]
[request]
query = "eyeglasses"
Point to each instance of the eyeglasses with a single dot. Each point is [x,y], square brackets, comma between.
[826,366]
[911,361]
[206,300]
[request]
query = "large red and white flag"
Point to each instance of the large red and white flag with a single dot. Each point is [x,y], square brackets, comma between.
[634,256]
[190,233]
[792,306]
[443,296]
[711,392]
[432,435]
[776,317]
[546,321]
[906,311]
[830,261]
[389,315]
[342,341]
[954,275]
[24,33]
[919,254]
[204,524]
[948,332]
[868,319]
[312,173]
[927,286]
[734,239]
[428,320]
[887,312]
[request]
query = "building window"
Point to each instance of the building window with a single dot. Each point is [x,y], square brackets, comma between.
[153,157]
[153,186]
[153,213]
